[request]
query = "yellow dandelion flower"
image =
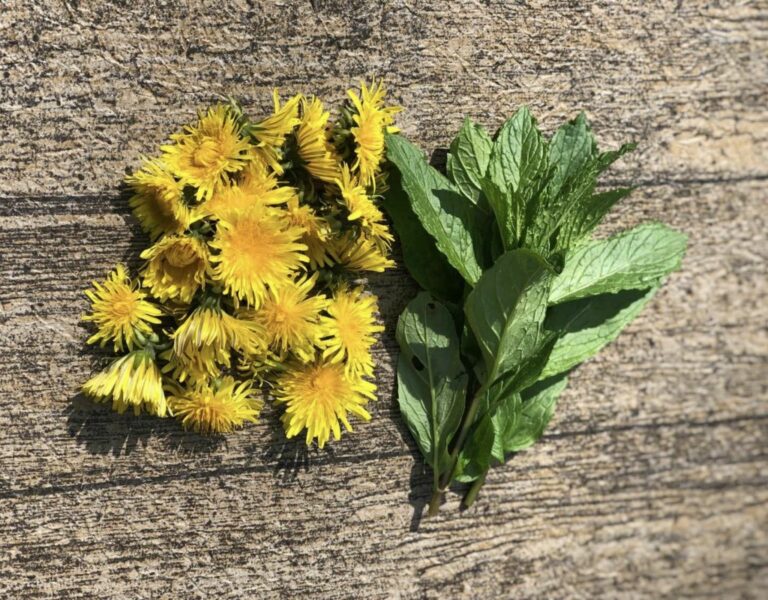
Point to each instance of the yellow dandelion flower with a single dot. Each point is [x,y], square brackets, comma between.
[205,341]
[363,210]
[320,396]
[257,180]
[157,200]
[227,200]
[176,267]
[372,119]
[120,311]
[315,148]
[207,153]
[233,198]
[317,232]
[290,316]
[349,328]
[216,407]
[272,131]
[258,249]
[360,254]
[132,381]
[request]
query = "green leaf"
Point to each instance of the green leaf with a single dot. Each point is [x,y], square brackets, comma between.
[506,309]
[592,210]
[475,456]
[432,383]
[568,205]
[505,422]
[634,259]
[587,325]
[426,264]
[468,158]
[538,406]
[517,170]
[444,213]
[570,151]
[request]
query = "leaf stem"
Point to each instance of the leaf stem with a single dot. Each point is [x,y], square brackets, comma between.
[471,496]
[463,433]
[434,503]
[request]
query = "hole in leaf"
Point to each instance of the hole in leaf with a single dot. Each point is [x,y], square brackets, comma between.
[431,305]
[417,364]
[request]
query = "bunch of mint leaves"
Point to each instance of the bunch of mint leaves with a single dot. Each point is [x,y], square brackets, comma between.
[517,292]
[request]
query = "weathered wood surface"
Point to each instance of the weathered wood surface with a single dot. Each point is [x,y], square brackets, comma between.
[652,480]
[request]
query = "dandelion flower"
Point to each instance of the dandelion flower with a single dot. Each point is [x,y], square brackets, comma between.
[216,407]
[317,232]
[272,131]
[120,311]
[257,180]
[157,200]
[372,119]
[207,153]
[176,267]
[363,211]
[206,339]
[131,381]
[315,148]
[349,328]
[229,199]
[360,253]
[290,317]
[257,250]
[241,197]
[320,396]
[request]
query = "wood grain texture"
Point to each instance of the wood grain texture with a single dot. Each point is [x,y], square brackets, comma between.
[652,480]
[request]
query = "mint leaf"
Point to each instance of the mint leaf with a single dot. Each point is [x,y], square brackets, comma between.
[568,210]
[444,213]
[505,422]
[506,309]
[538,406]
[634,259]
[591,212]
[475,455]
[517,170]
[432,383]
[468,158]
[570,151]
[521,419]
[426,264]
[585,326]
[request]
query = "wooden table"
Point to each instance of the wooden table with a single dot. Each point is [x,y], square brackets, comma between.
[652,480]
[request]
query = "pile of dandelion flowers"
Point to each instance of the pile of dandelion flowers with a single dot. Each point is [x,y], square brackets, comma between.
[120,311]
[320,396]
[255,227]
